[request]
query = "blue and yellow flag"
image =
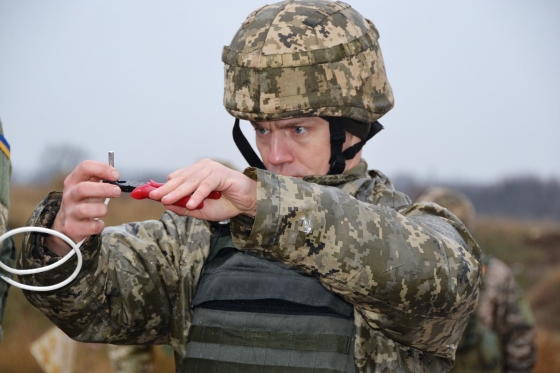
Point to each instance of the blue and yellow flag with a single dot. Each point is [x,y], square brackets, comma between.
[4,146]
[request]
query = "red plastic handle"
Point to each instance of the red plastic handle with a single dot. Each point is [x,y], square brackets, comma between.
[143,192]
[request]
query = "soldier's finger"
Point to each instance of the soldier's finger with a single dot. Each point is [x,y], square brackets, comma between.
[204,188]
[188,186]
[91,171]
[87,211]
[90,190]
[176,179]
[84,228]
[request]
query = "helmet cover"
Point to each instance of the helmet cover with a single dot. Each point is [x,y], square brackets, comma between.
[453,200]
[302,58]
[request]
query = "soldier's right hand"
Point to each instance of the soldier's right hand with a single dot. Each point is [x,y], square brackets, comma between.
[83,203]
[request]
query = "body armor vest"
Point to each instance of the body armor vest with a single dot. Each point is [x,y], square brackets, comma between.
[252,314]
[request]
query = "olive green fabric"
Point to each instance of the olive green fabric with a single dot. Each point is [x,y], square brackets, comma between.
[7,249]
[255,340]
[204,366]
[245,303]
[5,175]
[237,276]
[278,340]
[8,257]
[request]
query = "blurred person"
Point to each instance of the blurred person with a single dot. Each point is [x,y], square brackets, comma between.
[307,262]
[500,336]
[7,249]
[131,358]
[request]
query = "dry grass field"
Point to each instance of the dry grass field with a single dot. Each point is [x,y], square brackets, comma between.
[532,249]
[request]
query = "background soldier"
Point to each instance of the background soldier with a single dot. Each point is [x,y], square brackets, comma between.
[500,337]
[131,358]
[316,265]
[7,249]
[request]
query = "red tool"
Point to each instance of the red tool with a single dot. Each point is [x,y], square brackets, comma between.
[141,190]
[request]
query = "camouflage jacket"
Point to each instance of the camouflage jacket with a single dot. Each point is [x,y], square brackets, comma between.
[503,309]
[7,256]
[7,248]
[411,271]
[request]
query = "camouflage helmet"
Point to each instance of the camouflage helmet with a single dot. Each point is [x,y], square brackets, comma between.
[453,200]
[302,58]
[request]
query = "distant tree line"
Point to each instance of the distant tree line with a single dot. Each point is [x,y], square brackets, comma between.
[525,197]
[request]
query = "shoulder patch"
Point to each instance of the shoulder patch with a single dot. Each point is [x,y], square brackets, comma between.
[4,146]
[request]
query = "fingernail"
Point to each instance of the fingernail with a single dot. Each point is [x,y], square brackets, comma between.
[116,190]
[115,175]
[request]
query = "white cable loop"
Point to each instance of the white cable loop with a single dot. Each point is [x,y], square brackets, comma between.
[75,249]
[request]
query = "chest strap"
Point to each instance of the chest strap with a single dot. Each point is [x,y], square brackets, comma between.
[226,341]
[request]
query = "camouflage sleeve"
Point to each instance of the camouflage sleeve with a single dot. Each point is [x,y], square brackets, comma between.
[415,283]
[7,256]
[133,277]
[7,248]
[503,308]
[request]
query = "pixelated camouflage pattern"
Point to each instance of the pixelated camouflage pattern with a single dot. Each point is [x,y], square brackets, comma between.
[503,309]
[406,280]
[306,58]
[136,283]
[452,199]
[413,287]
[130,358]
[7,249]
[5,176]
[8,257]
[3,218]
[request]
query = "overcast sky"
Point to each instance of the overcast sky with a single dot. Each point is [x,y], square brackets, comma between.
[476,84]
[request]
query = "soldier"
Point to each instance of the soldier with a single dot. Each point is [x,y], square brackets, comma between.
[7,249]
[500,336]
[308,261]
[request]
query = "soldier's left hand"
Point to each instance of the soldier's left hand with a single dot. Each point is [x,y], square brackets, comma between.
[239,192]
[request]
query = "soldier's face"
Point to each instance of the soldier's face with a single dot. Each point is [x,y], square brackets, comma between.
[294,147]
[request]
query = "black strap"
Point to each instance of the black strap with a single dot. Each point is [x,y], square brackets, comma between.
[338,136]
[245,147]
[354,149]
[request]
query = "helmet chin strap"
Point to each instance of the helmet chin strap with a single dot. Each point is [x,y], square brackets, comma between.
[338,136]
[245,147]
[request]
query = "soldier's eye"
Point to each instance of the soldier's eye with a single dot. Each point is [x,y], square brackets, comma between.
[261,131]
[299,130]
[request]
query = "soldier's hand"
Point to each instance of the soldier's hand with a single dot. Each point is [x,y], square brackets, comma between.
[82,203]
[239,192]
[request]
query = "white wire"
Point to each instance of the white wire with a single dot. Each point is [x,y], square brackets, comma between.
[75,250]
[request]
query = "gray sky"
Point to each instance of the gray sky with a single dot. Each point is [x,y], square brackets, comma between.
[476,84]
